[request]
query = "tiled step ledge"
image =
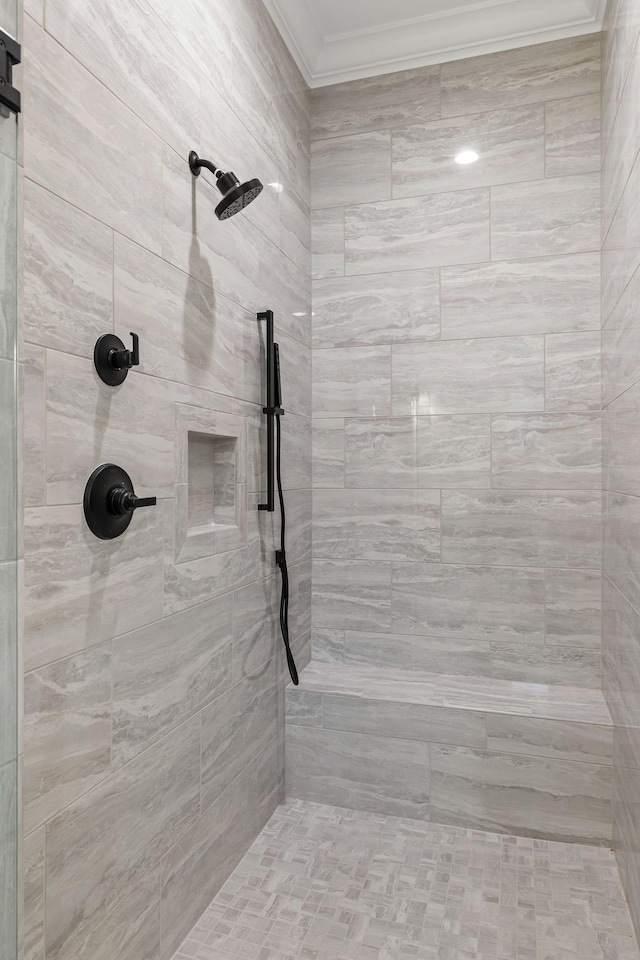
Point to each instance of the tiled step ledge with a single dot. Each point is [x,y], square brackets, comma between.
[498,755]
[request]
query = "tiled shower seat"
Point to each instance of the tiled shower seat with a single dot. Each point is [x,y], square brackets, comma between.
[522,758]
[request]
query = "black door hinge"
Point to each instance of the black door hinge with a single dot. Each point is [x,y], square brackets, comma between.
[9,57]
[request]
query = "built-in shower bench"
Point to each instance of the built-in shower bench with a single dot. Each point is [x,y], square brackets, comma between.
[512,757]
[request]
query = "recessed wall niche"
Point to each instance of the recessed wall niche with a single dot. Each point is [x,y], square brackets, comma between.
[211,493]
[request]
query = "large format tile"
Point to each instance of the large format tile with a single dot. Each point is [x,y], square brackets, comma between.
[9,662]
[376,524]
[9,463]
[573,605]
[542,295]
[167,671]
[328,453]
[32,372]
[352,595]
[412,233]
[556,739]
[469,376]
[573,371]
[79,140]
[543,217]
[350,170]
[468,602]
[380,774]
[563,68]
[447,654]
[327,243]
[562,799]
[9,270]
[121,829]
[524,528]
[385,308]
[67,732]
[510,144]
[380,452]
[352,381]
[621,343]
[255,626]
[573,666]
[622,544]
[9,847]
[376,103]
[453,451]
[33,906]
[620,446]
[547,451]
[572,135]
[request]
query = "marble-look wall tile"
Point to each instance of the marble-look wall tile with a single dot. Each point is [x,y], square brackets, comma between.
[9,269]
[99,589]
[468,602]
[327,243]
[540,217]
[79,140]
[573,372]
[9,892]
[33,905]
[469,376]
[573,608]
[328,453]
[304,708]
[295,238]
[621,242]
[619,436]
[236,728]
[454,451]
[447,654]
[380,452]
[353,169]
[352,381]
[574,666]
[255,626]
[122,828]
[9,462]
[159,682]
[328,646]
[376,524]
[358,770]
[569,801]
[352,595]
[621,343]
[32,369]
[529,529]
[68,277]
[366,310]
[622,544]
[510,144]
[543,295]
[546,71]
[572,135]
[67,732]
[412,233]
[556,739]
[546,451]
[376,103]
[9,745]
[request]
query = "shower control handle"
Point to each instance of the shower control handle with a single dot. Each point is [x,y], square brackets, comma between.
[118,359]
[112,360]
[121,501]
[110,501]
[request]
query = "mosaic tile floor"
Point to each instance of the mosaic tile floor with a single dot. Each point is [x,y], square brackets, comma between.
[325,883]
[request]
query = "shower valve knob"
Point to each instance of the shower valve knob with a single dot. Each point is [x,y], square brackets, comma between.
[110,501]
[112,360]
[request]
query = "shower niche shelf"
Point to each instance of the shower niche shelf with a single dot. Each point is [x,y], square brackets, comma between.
[211,493]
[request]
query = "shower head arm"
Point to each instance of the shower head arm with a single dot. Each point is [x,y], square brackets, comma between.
[196,164]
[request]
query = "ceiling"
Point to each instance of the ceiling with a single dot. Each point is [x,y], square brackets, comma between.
[337,40]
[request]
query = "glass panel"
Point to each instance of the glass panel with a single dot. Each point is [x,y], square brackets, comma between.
[8,517]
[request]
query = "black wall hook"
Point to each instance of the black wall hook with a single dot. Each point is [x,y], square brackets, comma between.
[109,501]
[112,360]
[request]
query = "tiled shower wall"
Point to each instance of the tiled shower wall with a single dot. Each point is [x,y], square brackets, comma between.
[621,433]
[456,393]
[153,726]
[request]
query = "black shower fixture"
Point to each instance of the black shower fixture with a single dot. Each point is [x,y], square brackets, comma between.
[109,501]
[235,195]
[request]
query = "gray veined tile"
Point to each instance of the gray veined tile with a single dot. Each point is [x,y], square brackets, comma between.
[562,68]
[9,745]
[454,451]
[510,144]
[9,864]
[327,243]
[621,544]
[358,524]
[32,370]
[9,271]
[67,732]
[400,651]
[543,217]
[468,602]
[353,169]
[381,774]
[541,295]
[621,343]
[352,595]
[561,739]
[572,135]
[619,435]
[328,453]
[33,855]
[304,708]
[573,372]
[417,232]
[376,103]
[469,376]
[573,602]
[328,646]
[574,666]
[535,528]
[352,381]
[370,309]
[9,463]
[167,671]
[380,452]
[547,451]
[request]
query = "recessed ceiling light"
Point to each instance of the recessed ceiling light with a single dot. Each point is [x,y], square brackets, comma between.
[467,156]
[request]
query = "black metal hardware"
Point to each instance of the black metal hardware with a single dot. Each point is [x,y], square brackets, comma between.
[235,195]
[109,501]
[112,360]
[10,54]
[273,407]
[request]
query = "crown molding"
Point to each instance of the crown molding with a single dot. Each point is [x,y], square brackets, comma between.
[465,31]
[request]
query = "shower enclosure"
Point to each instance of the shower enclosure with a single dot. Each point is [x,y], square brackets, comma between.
[8,511]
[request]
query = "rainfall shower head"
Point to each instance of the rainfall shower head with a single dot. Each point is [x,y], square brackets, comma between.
[235,195]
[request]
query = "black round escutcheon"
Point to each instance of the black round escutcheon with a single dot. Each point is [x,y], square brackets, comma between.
[97,496]
[105,346]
